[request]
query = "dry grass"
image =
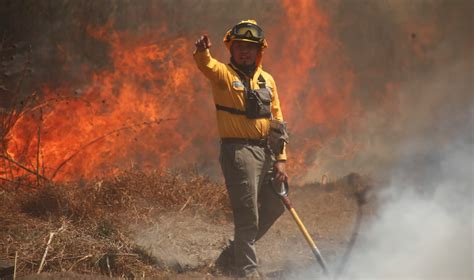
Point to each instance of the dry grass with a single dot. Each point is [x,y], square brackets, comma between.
[89,220]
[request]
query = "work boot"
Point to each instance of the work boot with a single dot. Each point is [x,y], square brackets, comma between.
[226,260]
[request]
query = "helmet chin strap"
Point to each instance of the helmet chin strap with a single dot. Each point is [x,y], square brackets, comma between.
[247,69]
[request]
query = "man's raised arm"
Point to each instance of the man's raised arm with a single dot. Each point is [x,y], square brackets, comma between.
[210,67]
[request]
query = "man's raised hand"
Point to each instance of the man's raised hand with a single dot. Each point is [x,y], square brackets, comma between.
[203,43]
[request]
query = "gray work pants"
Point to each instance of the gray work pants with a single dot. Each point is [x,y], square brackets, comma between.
[247,170]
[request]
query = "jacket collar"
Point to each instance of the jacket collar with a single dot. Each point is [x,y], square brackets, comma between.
[242,73]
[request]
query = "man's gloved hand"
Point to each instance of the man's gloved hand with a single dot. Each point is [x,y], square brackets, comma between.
[203,43]
[280,173]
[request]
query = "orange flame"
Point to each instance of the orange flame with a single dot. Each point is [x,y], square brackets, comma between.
[109,123]
[316,92]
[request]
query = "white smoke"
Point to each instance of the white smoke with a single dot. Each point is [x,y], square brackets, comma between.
[423,227]
[421,232]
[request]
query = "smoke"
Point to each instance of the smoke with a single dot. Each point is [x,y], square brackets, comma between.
[413,63]
[389,81]
[424,228]
[62,50]
[419,139]
[109,66]
[340,67]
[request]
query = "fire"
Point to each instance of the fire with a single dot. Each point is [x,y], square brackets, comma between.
[145,110]
[151,108]
[317,92]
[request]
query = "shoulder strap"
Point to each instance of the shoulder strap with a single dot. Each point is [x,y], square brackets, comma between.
[230,110]
[261,82]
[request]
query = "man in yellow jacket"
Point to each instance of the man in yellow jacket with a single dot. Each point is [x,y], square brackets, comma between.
[247,104]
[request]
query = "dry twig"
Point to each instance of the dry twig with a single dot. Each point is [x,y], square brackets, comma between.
[38,146]
[51,235]
[185,204]
[108,266]
[81,239]
[14,268]
[23,167]
[79,260]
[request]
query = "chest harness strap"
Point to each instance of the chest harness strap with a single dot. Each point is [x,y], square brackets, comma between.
[261,84]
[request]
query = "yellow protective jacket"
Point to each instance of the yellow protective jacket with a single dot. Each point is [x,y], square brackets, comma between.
[228,91]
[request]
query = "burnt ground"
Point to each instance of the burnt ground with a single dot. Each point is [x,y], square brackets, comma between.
[187,240]
[185,243]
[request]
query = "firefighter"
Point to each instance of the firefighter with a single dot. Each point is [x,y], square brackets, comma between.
[247,107]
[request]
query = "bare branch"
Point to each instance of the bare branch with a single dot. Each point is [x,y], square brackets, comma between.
[38,147]
[83,147]
[23,167]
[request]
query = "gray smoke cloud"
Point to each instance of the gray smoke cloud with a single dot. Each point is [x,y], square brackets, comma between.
[424,150]
[402,43]
[424,49]
[418,236]
[424,226]
[422,143]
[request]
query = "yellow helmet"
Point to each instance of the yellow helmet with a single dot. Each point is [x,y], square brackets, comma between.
[248,31]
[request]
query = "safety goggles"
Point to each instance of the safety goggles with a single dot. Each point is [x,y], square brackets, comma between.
[248,31]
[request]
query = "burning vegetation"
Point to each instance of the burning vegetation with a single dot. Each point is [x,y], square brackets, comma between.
[146,108]
[104,122]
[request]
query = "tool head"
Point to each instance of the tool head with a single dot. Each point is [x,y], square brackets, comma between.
[281,189]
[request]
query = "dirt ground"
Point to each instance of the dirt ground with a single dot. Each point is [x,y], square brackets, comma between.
[185,243]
